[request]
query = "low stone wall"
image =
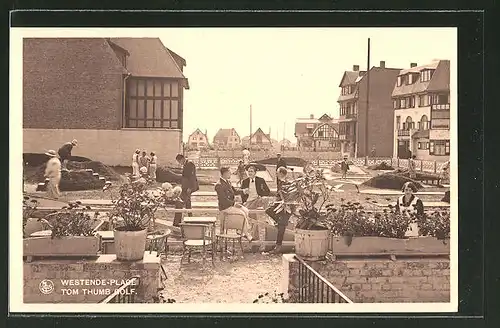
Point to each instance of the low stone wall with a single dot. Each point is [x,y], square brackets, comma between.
[81,281]
[378,280]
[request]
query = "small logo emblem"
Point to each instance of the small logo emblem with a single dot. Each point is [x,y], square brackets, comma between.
[46,286]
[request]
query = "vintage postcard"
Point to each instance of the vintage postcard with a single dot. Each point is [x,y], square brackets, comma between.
[233,170]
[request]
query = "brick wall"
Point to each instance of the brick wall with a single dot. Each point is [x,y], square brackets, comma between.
[105,267]
[111,147]
[374,281]
[71,83]
[381,117]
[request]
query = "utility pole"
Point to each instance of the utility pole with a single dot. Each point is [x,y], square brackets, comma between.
[250,135]
[367,102]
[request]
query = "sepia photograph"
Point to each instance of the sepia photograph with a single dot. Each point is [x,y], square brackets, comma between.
[233,170]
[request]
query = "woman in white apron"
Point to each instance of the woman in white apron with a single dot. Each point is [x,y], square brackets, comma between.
[135,163]
[409,203]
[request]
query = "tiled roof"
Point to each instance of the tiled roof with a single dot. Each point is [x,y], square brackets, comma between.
[259,131]
[349,78]
[440,79]
[149,58]
[198,131]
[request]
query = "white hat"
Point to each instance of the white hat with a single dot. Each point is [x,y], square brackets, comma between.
[51,153]
[74,142]
[143,169]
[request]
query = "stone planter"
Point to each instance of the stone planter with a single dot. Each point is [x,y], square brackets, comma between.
[62,246]
[383,245]
[312,245]
[130,245]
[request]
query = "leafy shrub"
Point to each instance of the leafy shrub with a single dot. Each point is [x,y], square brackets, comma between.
[135,208]
[72,220]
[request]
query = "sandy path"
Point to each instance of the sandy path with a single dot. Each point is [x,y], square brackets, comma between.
[238,282]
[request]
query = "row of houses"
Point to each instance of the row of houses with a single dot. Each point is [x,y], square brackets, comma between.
[408,114]
[230,139]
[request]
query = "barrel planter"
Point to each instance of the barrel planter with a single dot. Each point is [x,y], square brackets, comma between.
[312,245]
[382,245]
[130,245]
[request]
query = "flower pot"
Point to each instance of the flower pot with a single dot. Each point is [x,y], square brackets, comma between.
[383,245]
[311,244]
[130,245]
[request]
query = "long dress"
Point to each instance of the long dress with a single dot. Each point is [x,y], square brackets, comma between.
[135,165]
[152,167]
[53,173]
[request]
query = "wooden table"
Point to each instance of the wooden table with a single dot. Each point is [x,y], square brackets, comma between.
[211,221]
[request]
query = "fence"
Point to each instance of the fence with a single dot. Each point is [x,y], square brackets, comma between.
[313,288]
[124,294]
[421,165]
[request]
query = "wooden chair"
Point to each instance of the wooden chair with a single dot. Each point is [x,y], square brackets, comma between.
[231,229]
[158,242]
[195,236]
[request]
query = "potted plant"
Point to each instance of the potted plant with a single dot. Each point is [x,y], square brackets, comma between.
[131,216]
[71,232]
[304,199]
[355,231]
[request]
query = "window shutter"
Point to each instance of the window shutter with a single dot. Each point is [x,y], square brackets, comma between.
[431,148]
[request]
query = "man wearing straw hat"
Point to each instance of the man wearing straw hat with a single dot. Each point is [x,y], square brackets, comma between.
[53,173]
[65,152]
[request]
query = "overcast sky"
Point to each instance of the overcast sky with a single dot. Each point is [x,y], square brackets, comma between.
[285,73]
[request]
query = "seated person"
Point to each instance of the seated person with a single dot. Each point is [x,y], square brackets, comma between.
[226,197]
[254,190]
[409,202]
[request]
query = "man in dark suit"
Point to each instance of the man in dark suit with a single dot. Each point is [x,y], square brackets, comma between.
[281,163]
[189,184]
[254,190]
[226,197]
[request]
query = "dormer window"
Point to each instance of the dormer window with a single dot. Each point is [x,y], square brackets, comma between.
[400,80]
[426,75]
[347,90]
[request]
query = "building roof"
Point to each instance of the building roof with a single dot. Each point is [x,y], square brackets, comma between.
[223,134]
[198,131]
[440,79]
[150,58]
[350,77]
[259,131]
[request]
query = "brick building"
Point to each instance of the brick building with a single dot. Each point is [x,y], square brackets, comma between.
[353,115]
[113,95]
[421,99]
[260,140]
[227,138]
[197,140]
[320,134]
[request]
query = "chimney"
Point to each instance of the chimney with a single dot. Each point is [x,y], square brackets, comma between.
[413,65]
[355,68]
[311,116]
[382,64]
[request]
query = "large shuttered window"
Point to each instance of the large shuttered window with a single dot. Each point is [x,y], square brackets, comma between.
[153,103]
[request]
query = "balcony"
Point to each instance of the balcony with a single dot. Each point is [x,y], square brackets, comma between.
[348,117]
[404,133]
[347,137]
[440,107]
